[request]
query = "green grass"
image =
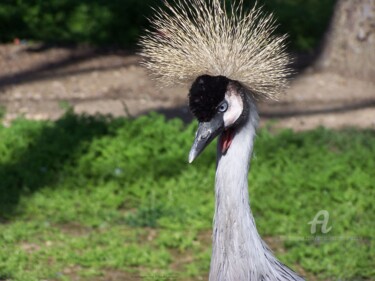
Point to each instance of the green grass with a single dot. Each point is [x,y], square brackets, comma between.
[94,197]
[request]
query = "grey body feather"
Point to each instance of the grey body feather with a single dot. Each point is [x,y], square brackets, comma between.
[238,252]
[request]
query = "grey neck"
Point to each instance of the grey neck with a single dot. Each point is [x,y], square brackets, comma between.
[238,253]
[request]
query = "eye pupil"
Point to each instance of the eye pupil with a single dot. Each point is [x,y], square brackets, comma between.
[223,107]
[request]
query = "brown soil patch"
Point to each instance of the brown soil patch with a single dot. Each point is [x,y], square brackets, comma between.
[34,82]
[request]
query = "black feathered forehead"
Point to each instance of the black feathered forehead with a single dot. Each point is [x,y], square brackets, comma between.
[205,95]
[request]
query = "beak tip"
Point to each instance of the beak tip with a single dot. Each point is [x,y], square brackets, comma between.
[206,132]
[191,158]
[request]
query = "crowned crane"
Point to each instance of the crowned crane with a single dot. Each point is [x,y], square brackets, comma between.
[230,58]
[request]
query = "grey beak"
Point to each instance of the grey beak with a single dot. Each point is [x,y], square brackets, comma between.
[207,131]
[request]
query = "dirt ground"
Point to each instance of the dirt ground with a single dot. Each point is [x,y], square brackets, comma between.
[36,81]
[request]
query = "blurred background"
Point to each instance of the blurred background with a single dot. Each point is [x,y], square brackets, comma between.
[94,180]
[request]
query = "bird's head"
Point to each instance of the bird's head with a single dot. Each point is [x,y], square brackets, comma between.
[220,106]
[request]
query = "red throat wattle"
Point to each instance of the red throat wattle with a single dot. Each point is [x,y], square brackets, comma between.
[226,140]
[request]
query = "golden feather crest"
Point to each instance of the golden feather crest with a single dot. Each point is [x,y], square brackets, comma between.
[197,37]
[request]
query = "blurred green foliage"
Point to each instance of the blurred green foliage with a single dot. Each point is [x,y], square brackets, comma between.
[305,21]
[120,22]
[116,22]
[85,196]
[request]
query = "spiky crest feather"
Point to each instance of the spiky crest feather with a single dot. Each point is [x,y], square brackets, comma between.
[197,37]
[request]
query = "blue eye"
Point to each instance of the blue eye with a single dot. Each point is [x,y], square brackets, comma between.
[222,107]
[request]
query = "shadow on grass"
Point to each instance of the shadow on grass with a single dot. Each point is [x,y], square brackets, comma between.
[47,154]
[38,164]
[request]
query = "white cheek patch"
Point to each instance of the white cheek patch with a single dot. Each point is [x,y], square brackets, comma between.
[235,108]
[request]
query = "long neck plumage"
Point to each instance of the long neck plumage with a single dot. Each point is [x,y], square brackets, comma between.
[239,254]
